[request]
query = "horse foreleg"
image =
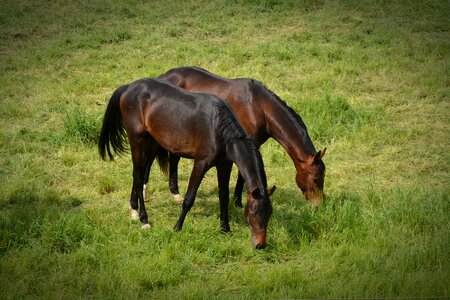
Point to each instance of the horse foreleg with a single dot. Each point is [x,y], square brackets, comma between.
[173,177]
[238,191]
[223,177]
[199,170]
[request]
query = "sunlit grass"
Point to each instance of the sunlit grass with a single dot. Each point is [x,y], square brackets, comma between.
[370,80]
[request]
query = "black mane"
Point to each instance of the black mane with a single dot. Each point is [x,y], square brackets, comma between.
[295,118]
[229,126]
[232,132]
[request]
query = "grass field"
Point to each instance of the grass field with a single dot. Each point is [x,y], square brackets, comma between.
[371,79]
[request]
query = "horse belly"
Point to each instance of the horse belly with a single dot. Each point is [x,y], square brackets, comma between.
[178,140]
[179,146]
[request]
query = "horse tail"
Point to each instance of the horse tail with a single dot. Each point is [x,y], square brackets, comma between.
[163,160]
[113,133]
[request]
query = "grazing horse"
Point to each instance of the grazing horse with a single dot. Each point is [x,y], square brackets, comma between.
[159,119]
[262,114]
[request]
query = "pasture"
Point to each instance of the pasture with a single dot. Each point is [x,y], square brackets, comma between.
[371,80]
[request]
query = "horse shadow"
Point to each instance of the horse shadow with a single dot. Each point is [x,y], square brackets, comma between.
[28,215]
[294,216]
[291,213]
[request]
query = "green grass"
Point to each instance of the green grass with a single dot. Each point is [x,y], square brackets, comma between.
[370,79]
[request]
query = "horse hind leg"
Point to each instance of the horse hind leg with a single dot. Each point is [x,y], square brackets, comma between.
[178,198]
[146,176]
[143,158]
[173,178]
[134,205]
[135,212]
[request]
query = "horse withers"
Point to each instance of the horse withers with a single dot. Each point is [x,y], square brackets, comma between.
[159,119]
[262,115]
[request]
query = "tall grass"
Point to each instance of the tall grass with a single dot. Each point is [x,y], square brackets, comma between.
[370,80]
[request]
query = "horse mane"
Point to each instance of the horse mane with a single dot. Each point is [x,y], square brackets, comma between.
[295,118]
[229,126]
[232,132]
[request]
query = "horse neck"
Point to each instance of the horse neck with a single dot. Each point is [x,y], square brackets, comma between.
[289,131]
[249,163]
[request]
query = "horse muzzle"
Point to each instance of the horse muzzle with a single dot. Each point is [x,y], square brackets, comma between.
[259,241]
[315,197]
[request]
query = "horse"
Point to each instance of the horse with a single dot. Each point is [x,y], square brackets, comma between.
[262,114]
[159,120]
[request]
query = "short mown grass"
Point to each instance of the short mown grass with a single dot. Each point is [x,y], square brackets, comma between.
[370,80]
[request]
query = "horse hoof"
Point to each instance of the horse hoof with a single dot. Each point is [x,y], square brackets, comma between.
[145,226]
[134,215]
[226,229]
[178,198]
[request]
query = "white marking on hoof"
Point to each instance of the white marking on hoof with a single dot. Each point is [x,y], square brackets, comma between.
[134,215]
[145,226]
[144,192]
[178,198]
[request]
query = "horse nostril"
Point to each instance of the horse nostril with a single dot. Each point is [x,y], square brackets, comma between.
[260,246]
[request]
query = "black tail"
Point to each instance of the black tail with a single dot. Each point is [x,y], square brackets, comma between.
[113,133]
[163,160]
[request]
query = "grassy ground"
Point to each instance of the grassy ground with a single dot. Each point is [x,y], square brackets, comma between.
[370,79]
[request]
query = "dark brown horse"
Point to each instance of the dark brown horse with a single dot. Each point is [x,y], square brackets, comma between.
[262,114]
[159,119]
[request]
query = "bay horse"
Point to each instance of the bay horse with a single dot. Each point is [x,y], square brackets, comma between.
[262,114]
[159,118]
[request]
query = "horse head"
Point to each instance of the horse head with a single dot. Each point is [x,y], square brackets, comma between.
[310,178]
[257,213]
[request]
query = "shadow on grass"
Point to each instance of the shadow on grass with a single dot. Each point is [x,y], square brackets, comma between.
[294,221]
[306,223]
[44,217]
[290,211]
[301,222]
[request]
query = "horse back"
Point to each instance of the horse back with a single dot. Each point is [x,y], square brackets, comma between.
[247,97]
[181,122]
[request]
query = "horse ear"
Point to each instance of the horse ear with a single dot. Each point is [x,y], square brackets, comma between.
[271,190]
[320,154]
